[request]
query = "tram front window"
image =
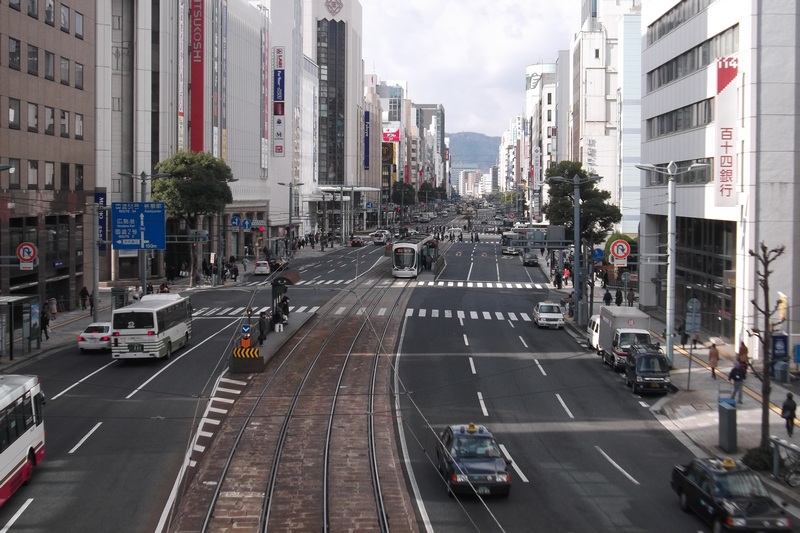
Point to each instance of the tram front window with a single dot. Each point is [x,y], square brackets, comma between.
[404,258]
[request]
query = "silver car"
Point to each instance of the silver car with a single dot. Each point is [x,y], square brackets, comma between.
[96,336]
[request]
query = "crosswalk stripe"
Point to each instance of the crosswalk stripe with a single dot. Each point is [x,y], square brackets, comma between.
[473,315]
[525,317]
[237,311]
[512,317]
[499,315]
[487,315]
[301,309]
[448,313]
[409,312]
[361,311]
[434,313]
[460,314]
[423,313]
[341,310]
[381,311]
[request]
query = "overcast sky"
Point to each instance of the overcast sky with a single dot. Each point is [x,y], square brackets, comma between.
[468,55]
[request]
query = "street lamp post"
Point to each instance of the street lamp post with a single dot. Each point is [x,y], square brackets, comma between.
[142,194]
[580,305]
[671,170]
[291,186]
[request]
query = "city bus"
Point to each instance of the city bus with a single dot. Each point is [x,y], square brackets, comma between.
[154,327]
[21,431]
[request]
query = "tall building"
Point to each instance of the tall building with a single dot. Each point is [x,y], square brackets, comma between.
[716,91]
[47,137]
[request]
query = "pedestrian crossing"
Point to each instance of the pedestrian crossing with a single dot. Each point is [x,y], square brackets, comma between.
[458,314]
[415,283]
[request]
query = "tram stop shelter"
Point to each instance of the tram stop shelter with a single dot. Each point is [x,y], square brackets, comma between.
[20,322]
[279,284]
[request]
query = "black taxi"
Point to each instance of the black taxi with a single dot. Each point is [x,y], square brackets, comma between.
[471,462]
[728,495]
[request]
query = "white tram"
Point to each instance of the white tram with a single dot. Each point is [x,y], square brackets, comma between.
[413,254]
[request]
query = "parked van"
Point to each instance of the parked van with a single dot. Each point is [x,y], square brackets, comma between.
[593,331]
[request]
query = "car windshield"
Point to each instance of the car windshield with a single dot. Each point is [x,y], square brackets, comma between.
[549,309]
[652,363]
[472,447]
[628,339]
[739,485]
[96,329]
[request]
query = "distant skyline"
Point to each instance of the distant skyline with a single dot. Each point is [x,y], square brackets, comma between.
[468,55]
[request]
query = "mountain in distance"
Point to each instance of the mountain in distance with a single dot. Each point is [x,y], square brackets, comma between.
[473,150]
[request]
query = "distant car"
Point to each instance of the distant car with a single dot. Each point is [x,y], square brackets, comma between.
[471,462]
[530,260]
[548,315]
[262,268]
[278,263]
[728,495]
[510,250]
[356,241]
[593,332]
[96,336]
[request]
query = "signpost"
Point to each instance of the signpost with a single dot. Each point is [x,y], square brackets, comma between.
[26,253]
[139,225]
[235,221]
[620,250]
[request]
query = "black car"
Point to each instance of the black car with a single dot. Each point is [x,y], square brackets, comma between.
[646,369]
[728,495]
[471,462]
[278,263]
[530,260]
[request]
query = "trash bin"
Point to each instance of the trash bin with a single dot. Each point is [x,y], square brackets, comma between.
[782,371]
[727,425]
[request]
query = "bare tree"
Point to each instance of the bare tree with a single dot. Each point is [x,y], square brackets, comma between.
[765,257]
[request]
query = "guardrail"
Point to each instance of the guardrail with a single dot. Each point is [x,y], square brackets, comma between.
[785,460]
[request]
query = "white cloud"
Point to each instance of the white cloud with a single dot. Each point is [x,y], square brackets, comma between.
[468,55]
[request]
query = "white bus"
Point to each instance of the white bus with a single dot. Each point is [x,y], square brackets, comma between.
[154,327]
[21,431]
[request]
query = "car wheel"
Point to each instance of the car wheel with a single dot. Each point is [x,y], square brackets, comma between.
[28,469]
[684,502]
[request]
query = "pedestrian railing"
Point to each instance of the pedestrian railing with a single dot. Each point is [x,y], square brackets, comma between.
[785,461]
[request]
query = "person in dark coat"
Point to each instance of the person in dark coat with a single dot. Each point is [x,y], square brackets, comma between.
[607,297]
[46,325]
[618,297]
[788,411]
[263,327]
[84,294]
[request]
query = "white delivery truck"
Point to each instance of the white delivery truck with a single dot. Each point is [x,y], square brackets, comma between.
[621,327]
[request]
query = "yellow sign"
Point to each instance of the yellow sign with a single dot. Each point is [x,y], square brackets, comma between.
[246,352]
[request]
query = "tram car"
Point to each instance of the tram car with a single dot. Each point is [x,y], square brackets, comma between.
[413,254]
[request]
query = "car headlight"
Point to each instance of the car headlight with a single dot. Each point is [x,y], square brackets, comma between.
[639,379]
[666,379]
[503,478]
[737,522]
[783,522]
[459,478]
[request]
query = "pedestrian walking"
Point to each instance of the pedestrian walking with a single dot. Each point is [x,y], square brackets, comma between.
[557,280]
[737,377]
[91,303]
[631,297]
[788,411]
[605,278]
[742,356]
[682,333]
[607,297]
[618,297]
[84,294]
[46,326]
[263,327]
[713,359]
[566,277]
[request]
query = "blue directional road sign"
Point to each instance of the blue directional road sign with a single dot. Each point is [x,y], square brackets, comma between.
[139,225]
[369,205]
[597,254]
[245,329]
[235,221]
[247,224]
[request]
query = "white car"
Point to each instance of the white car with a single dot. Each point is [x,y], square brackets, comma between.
[96,336]
[548,314]
[261,268]
[510,250]
[593,331]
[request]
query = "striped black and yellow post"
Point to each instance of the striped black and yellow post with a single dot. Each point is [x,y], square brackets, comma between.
[245,360]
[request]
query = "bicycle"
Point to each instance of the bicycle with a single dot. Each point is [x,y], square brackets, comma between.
[790,467]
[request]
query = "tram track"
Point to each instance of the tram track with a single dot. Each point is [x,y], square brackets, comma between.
[302,450]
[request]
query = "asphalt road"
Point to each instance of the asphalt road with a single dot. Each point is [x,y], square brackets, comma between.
[588,455]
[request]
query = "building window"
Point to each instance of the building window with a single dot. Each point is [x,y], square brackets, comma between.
[64,71]
[33,174]
[50,12]
[78,126]
[13,114]
[33,8]
[13,53]
[78,76]
[78,177]
[33,117]
[13,174]
[49,120]
[49,174]
[597,53]
[33,60]
[64,123]
[14,4]
[78,25]
[64,18]
[549,115]
[49,65]
[549,98]
[64,176]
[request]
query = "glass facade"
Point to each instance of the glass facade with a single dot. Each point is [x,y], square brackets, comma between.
[331,48]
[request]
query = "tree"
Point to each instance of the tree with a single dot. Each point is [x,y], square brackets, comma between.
[765,257]
[598,215]
[198,185]
[403,194]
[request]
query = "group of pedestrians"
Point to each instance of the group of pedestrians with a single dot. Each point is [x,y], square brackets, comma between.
[617,298]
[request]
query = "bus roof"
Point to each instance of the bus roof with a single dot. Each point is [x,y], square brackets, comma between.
[152,302]
[12,386]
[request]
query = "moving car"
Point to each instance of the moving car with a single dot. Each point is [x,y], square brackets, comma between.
[728,495]
[277,263]
[96,336]
[471,462]
[646,369]
[548,314]
[593,332]
[262,268]
[530,259]
[510,250]
[356,241]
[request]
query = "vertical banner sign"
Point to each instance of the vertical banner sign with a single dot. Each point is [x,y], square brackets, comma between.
[196,56]
[278,102]
[726,135]
[215,80]
[181,67]
[366,140]
[223,59]
[264,97]
[100,201]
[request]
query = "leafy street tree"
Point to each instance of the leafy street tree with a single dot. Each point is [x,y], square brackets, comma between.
[428,192]
[403,194]
[198,185]
[598,215]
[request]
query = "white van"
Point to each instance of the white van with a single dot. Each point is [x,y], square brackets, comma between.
[593,331]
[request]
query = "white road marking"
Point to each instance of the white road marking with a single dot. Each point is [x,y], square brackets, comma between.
[381,311]
[615,465]
[472,365]
[85,437]
[483,405]
[341,310]
[569,413]
[525,344]
[541,369]
[16,515]
[466,341]
[513,464]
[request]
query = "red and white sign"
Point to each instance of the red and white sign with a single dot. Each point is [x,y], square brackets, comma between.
[726,138]
[26,253]
[391,135]
[620,249]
